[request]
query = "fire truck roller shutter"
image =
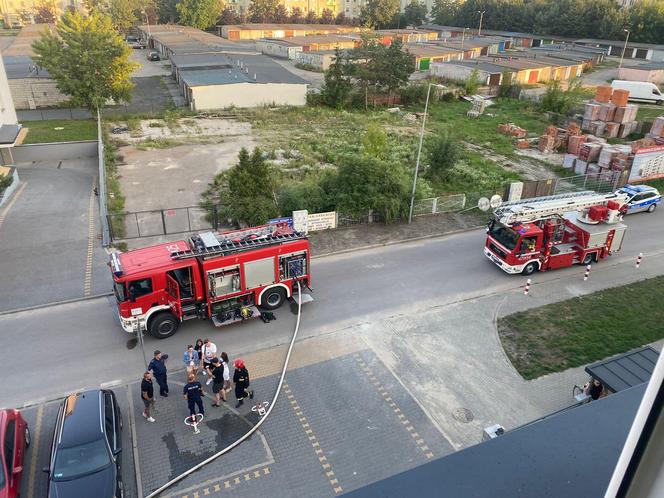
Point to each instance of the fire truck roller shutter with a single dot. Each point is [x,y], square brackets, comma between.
[273,297]
[163,324]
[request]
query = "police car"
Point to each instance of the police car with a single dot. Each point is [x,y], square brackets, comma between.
[641,198]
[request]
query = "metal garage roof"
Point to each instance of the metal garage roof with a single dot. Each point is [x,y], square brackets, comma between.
[626,370]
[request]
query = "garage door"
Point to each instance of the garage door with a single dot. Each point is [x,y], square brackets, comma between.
[532,77]
[641,53]
[494,79]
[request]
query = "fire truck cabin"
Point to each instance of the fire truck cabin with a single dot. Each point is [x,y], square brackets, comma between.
[208,276]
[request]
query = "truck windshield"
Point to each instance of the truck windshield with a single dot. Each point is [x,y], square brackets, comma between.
[504,235]
[119,289]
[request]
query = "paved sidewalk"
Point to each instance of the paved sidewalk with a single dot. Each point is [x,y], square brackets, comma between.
[338,425]
[452,361]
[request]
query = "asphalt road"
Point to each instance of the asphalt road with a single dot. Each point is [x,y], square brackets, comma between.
[82,345]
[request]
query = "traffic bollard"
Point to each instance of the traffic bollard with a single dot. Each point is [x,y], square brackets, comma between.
[586,273]
[638,260]
[527,288]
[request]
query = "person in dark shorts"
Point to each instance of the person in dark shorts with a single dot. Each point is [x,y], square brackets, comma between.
[217,371]
[193,393]
[241,380]
[147,395]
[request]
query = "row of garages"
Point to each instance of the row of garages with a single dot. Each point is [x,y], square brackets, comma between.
[256,31]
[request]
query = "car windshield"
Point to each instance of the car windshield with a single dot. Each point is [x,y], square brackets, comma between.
[119,289]
[504,235]
[78,461]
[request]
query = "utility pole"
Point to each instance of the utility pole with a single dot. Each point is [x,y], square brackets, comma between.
[622,55]
[481,13]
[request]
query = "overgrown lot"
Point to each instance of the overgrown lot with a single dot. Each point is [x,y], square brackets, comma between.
[584,329]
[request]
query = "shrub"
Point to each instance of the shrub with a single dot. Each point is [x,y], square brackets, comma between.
[413,94]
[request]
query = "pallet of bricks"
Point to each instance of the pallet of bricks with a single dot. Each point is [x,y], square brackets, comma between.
[609,115]
[656,133]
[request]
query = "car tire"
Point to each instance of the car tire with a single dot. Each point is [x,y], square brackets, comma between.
[163,325]
[651,208]
[26,437]
[273,298]
[530,268]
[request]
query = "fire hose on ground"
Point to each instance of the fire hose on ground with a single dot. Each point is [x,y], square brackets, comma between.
[260,422]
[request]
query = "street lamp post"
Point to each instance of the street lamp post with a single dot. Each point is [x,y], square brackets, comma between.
[419,150]
[147,21]
[463,37]
[481,13]
[623,50]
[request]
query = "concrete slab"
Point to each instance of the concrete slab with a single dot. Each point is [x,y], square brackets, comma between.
[48,236]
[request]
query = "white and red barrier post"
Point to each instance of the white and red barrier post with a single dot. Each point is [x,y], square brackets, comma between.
[638,260]
[586,274]
[526,289]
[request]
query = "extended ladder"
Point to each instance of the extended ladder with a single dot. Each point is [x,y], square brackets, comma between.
[529,210]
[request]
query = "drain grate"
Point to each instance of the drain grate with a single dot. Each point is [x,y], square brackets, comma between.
[463,415]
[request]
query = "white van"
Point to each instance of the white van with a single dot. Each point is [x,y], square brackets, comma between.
[640,91]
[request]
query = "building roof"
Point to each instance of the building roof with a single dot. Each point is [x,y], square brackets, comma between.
[22,44]
[625,370]
[284,27]
[223,69]
[9,133]
[22,66]
[185,39]
[469,43]
[429,50]
[649,66]
[479,65]
[621,43]
[572,454]
[495,32]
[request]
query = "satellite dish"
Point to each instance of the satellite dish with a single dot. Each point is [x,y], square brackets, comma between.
[483,204]
[496,201]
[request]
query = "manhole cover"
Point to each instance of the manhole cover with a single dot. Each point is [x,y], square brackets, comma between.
[463,415]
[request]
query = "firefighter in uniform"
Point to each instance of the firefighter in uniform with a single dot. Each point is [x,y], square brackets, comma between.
[241,380]
[193,393]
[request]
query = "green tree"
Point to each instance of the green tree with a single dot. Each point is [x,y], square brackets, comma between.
[326,17]
[561,101]
[395,65]
[296,15]
[337,86]
[379,13]
[200,14]
[281,15]
[444,12]
[341,19]
[374,141]
[472,83]
[263,10]
[311,17]
[229,16]
[308,194]
[443,155]
[47,12]
[415,13]
[123,13]
[88,59]
[250,191]
[365,182]
[167,11]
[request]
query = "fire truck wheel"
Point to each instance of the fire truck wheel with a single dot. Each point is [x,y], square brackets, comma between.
[652,207]
[163,325]
[588,259]
[273,298]
[529,269]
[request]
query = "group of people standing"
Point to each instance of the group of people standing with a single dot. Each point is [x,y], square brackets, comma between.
[201,358]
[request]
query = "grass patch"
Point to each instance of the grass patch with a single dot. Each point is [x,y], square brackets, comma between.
[649,112]
[584,329]
[71,131]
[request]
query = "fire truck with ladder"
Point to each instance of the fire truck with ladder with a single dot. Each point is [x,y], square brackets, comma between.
[209,276]
[556,231]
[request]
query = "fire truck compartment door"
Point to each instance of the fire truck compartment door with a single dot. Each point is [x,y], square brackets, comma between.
[618,239]
[259,273]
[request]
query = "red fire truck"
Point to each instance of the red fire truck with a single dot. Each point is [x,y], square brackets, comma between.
[210,275]
[551,232]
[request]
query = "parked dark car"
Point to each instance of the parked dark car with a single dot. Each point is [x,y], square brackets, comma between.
[14,439]
[153,56]
[86,448]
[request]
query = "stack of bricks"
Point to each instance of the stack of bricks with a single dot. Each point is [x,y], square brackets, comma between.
[512,130]
[547,142]
[610,115]
[657,131]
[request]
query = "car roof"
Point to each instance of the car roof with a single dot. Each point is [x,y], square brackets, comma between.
[82,418]
[639,188]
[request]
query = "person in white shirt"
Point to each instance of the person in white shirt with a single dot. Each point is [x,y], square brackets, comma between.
[209,352]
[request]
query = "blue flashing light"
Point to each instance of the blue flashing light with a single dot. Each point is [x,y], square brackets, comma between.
[116,266]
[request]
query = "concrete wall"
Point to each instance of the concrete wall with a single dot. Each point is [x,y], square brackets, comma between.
[635,74]
[247,95]
[7,109]
[457,73]
[4,196]
[318,60]
[31,93]
[54,151]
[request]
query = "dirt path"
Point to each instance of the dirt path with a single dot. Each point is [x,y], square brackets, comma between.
[530,168]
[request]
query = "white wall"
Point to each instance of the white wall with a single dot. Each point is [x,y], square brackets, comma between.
[455,73]
[247,95]
[277,49]
[7,111]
